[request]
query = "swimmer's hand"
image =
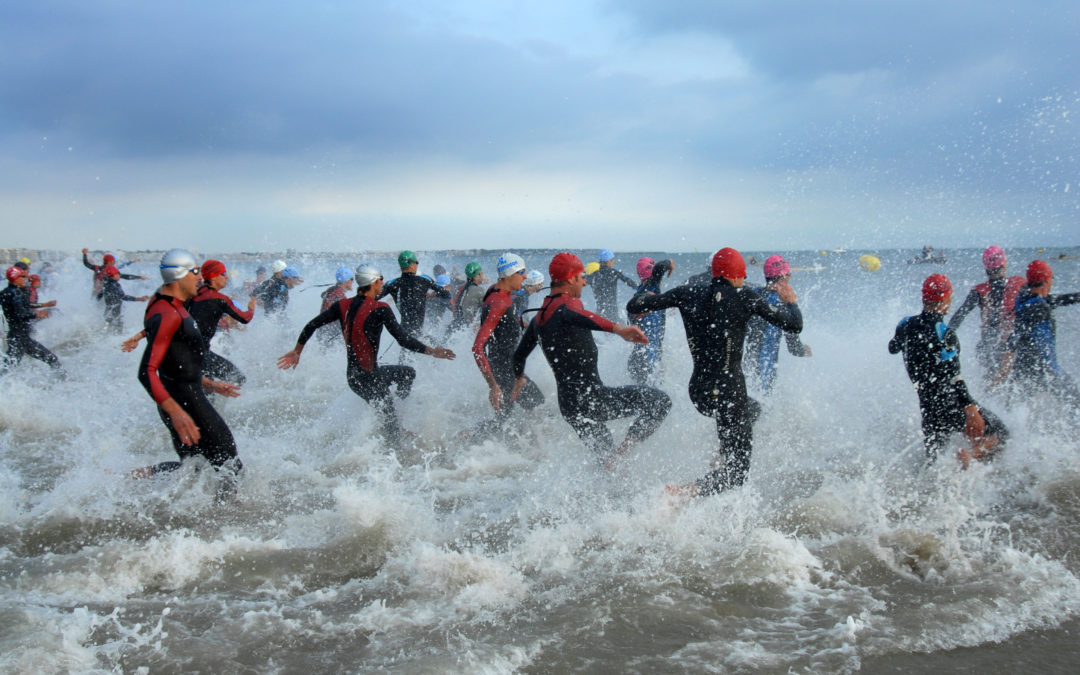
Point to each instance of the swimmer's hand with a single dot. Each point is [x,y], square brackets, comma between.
[221,388]
[442,353]
[631,334]
[132,342]
[289,359]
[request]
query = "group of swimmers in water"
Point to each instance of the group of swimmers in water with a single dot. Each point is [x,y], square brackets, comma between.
[723,319]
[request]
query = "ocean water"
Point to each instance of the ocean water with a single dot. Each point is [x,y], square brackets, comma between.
[521,554]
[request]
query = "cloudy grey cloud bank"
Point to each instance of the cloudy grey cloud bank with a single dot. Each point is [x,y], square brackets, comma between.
[640,125]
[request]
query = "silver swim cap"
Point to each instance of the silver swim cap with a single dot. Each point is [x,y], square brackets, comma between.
[367,275]
[176,264]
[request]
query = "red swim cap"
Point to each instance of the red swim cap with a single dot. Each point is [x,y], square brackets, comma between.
[109,259]
[213,268]
[1038,272]
[14,273]
[936,288]
[34,277]
[728,263]
[110,270]
[564,266]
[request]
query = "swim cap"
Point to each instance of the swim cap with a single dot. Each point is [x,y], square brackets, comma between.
[442,280]
[592,267]
[1038,272]
[213,268]
[25,261]
[508,264]
[605,255]
[472,269]
[367,275]
[406,258]
[110,271]
[534,278]
[343,274]
[993,258]
[176,264]
[437,270]
[34,277]
[564,266]
[278,266]
[290,272]
[644,267]
[23,266]
[936,288]
[14,273]
[729,264]
[109,259]
[776,266]
[260,270]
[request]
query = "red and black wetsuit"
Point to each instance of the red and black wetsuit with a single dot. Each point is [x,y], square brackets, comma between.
[493,351]
[20,320]
[362,320]
[172,366]
[715,317]
[563,328]
[932,358]
[207,308]
[331,296]
[99,274]
[996,300]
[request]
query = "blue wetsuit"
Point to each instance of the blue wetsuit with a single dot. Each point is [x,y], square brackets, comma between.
[763,344]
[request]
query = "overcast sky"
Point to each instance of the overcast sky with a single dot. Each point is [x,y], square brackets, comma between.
[633,125]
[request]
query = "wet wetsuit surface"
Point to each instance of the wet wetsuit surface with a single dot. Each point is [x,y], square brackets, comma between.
[763,344]
[1034,343]
[932,358]
[715,317]
[99,274]
[172,367]
[493,351]
[331,296]
[467,303]
[645,358]
[207,308]
[409,292]
[114,296]
[20,320]
[274,295]
[996,300]
[563,329]
[605,285]
[362,321]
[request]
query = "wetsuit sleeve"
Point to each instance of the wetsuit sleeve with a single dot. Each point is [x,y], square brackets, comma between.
[639,304]
[785,315]
[385,315]
[626,280]
[1063,299]
[388,289]
[896,344]
[528,343]
[160,338]
[439,290]
[970,303]
[87,264]
[583,318]
[130,276]
[795,346]
[499,304]
[329,316]
[235,312]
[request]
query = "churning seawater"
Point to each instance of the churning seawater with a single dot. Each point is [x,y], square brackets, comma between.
[520,554]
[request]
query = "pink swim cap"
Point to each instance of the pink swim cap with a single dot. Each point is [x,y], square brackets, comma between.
[993,258]
[644,268]
[776,266]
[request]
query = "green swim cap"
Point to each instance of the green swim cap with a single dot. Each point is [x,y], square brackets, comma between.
[406,258]
[472,269]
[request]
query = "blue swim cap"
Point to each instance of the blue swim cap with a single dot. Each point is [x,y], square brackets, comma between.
[605,255]
[442,280]
[290,272]
[343,274]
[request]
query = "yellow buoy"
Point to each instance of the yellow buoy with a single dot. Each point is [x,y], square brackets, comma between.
[869,263]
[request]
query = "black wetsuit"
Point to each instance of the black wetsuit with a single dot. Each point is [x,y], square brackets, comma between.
[99,274]
[207,308]
[410,295]
[172,367]
[715,317]
[932,358]
[362,321]
[113,294]
[493,351]
[1034,344]
[274,295]
[996,300]
[20,320]
[563,328]
[605,286]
